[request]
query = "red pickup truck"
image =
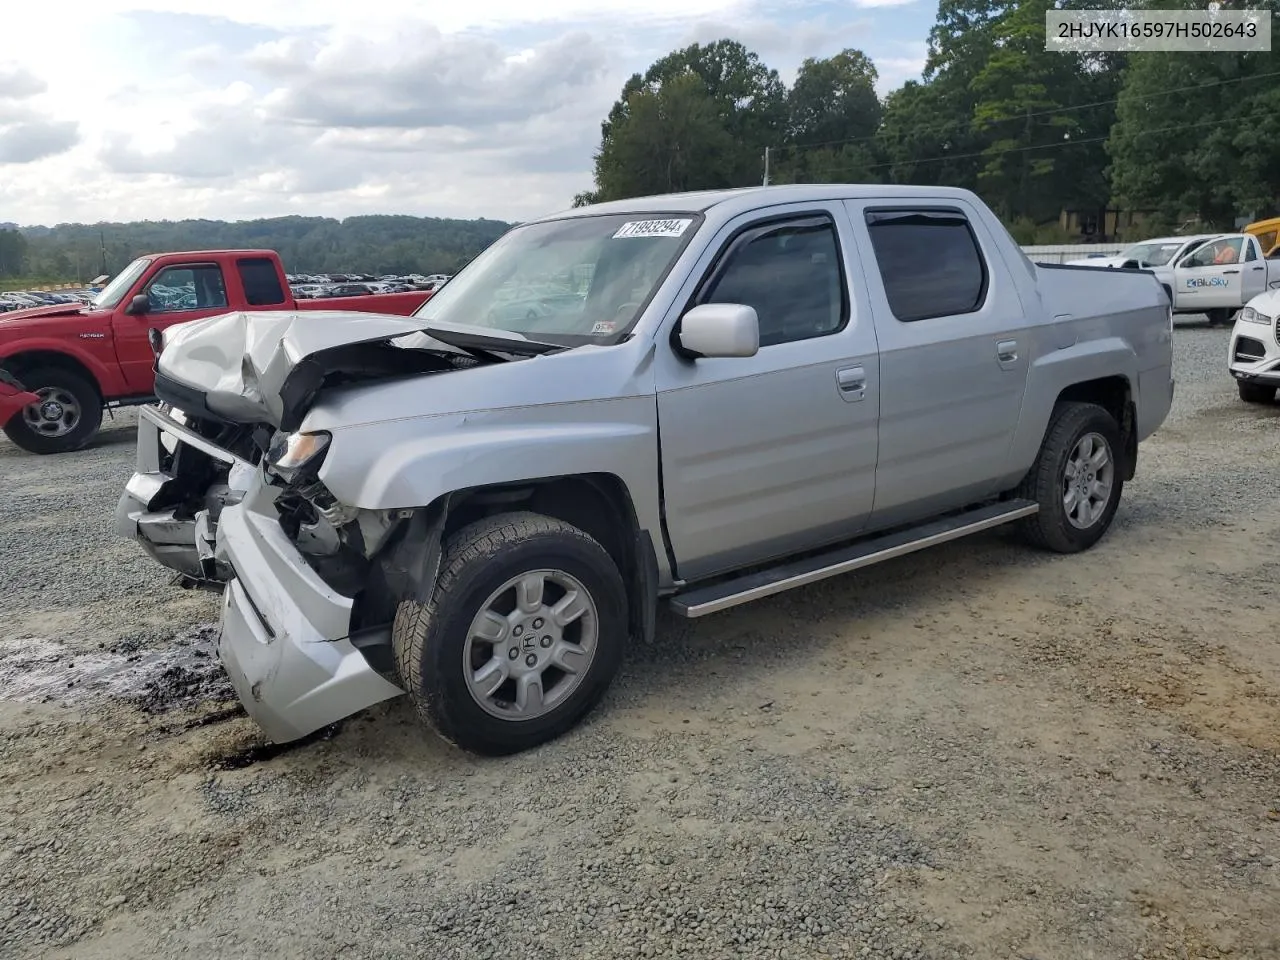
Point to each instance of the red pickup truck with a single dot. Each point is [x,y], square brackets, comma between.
[61,366]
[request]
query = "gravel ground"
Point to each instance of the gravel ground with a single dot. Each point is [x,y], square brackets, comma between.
[979,751]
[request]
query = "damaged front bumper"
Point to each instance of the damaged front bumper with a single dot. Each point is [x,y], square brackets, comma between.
[286,638]
[180,485]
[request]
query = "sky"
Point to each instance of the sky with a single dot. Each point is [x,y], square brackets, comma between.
[123,110]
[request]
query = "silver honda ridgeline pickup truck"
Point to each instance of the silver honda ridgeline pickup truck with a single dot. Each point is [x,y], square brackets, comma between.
[706,398]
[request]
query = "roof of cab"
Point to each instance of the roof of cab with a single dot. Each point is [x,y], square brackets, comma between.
[747,198]
[214,252]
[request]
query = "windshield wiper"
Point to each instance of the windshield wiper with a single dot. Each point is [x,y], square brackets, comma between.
[485,345]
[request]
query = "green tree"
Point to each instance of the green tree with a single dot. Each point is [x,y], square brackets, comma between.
[1156,163]
[833,115]
[699,117]
[672,139]
[1001,115]
[927,137]
[1031,167]
[1197,135]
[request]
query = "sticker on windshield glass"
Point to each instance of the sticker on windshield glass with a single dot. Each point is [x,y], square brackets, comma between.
[604,326]
[652,228]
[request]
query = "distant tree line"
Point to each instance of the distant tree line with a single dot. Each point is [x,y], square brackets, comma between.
[1176,136]
[371,244]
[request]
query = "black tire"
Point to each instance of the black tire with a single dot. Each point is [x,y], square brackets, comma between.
[1219,316]
[1255,392]
[1050,529]
[86,425]
[430,639]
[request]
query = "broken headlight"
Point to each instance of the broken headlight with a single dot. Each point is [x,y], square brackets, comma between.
[291,453]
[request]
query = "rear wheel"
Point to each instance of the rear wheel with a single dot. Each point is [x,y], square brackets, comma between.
[521,637]
[1076,479]
[66,418]
[1219,316]
[1255,392]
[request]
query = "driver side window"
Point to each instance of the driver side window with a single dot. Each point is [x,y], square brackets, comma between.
[178,288]
[790,273]
[1217,253]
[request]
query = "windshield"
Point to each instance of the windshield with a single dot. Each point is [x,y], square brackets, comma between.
[114,291]
[1156,254]
[569,282]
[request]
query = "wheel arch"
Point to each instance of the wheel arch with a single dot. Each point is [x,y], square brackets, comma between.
[1102,371]
[27,360]
[599,504]
[1115,395]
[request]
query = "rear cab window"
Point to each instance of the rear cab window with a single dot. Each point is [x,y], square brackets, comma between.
[261,281]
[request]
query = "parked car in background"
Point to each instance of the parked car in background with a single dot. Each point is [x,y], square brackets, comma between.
[740,392]
[1253,357]
[17,301]
[81,359]
[1158,255]
[1221,275]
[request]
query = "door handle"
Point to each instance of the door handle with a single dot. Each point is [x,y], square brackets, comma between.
[1007,351]
[1257,268]
[1226,272]
[852,382]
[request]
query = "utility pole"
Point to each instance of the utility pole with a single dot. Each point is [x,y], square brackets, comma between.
[102,241]
[766,166]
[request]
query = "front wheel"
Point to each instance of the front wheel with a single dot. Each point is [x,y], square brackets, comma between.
[521,637]
[66,418]
[1255,392]
[1076,479]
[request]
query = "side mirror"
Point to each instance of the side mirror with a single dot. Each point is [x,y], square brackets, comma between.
[720,330]
[141,303]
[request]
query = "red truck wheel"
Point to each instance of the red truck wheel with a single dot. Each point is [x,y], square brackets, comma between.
[67,417]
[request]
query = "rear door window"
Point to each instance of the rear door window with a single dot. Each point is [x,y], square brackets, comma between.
[929,261]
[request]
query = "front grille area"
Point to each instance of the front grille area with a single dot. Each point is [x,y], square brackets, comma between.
[1249,350]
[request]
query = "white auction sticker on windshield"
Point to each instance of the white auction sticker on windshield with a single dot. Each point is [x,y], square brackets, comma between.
[652,228]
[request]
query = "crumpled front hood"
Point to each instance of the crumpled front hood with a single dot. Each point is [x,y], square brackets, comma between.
[240,361]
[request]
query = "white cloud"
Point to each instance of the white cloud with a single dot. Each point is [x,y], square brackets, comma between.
[896,70]
[426,79]
[26,133]
[155,108]
[17,83]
